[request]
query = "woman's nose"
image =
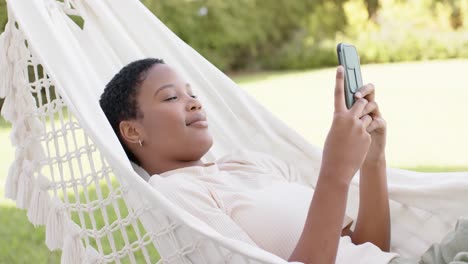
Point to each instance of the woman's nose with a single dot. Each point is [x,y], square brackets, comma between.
[193,105]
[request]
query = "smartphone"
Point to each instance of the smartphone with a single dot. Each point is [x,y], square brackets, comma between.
[349,58]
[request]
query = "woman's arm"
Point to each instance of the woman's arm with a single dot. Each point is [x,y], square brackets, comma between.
[322,230]
[373,223]
[344,151]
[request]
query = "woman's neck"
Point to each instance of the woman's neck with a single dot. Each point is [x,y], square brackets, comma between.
[155,167]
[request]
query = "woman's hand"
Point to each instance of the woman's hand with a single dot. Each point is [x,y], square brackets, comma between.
[345,148]
[348,140]
[377,128]
[373,221]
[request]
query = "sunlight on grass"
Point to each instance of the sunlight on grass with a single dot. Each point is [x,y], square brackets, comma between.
[21,242]
[424,104]
[7,154]
[437,168]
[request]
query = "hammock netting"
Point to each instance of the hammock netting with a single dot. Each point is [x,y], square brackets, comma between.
[71,174]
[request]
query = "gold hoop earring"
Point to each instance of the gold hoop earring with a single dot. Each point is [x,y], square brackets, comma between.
[141,144]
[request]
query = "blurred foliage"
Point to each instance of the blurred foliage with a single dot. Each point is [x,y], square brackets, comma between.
[3,20]
[297,34]
[233,34]
[388,31]
[253,34]
[409,30]
[3,15]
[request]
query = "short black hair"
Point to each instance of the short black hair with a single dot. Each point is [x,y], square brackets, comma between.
[118,101]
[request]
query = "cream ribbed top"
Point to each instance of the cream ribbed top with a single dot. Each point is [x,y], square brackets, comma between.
[245,196]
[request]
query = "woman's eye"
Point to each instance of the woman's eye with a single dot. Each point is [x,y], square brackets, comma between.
[194,96]
[171,98]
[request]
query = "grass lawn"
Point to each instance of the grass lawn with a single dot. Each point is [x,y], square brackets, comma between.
[423,103]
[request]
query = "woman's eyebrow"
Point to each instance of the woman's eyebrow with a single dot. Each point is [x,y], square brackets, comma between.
[170,85]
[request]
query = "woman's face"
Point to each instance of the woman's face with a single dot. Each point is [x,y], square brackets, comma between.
[174,125]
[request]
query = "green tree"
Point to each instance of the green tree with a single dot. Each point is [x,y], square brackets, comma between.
[233,34]
[3,15]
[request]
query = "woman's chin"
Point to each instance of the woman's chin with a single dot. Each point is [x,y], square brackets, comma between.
[206,144]
[199,146]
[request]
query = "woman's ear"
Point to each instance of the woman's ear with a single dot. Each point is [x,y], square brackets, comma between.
[130,131]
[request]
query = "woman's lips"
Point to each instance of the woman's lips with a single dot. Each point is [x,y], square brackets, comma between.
[196,118]
[199,124]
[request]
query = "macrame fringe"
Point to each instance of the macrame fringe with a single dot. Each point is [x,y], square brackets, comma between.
[11,185]
[13,78]
[25,102]
[73,250]
[21,96]
[23,196]
[19,100]
[40,202]
[8,109]
[29,192]
[24,185]
[18,183]
[55,224]
[5,80]
[26,127]
[19,103]
[34,150]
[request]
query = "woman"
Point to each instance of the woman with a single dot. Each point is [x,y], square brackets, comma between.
[164,128]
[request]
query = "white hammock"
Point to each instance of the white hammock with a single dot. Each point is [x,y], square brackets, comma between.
[72,171]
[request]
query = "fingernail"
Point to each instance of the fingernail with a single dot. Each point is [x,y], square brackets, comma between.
[340,69]
[358,95]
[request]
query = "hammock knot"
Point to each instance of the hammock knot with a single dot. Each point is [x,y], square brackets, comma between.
[92,256]
[73,250]
[27,127]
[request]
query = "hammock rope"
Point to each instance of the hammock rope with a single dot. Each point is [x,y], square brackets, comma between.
[49,146]
[71,174]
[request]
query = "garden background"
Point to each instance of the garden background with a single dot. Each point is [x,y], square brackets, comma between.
[283,53]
